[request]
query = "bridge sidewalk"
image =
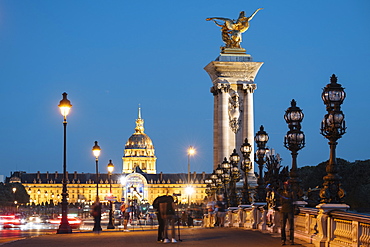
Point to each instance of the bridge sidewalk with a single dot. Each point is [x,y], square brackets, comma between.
[216,237]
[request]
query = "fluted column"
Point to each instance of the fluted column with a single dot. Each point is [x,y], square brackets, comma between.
[248,115]
[233,86]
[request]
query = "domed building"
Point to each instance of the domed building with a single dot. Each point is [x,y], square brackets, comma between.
[138,181]
[139,151]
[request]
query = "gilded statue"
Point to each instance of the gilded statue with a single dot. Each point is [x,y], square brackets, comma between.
[232,29]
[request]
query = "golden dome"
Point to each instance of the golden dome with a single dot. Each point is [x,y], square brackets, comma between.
[139,140]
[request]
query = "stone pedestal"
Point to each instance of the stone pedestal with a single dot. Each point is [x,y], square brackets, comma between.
[322,222]
[232,76]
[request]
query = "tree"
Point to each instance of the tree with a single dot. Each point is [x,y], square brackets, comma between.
[7,196]
[355,181]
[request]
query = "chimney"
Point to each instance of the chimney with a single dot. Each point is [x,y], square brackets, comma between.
[38,175]
[56,175]
[75,175]
[47,175]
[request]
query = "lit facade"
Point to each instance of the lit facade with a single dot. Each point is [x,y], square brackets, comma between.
[138,181]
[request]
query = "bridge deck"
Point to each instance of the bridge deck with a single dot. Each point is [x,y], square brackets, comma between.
[215,237]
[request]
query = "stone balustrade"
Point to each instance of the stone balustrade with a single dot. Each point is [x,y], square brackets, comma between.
[326,225]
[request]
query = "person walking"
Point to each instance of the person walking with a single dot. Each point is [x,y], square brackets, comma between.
[125,215]
[221,210]
[96,213]
[287,213]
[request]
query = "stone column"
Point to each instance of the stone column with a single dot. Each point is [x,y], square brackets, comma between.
[232,77]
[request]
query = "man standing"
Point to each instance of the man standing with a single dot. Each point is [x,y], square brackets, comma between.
[287,213]
[156,203]
[211,212]
[167,212]
[125,215]
[221,210]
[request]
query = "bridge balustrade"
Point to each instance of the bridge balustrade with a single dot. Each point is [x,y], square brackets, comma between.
[322,228]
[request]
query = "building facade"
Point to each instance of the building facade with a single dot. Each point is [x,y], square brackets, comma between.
[138,181]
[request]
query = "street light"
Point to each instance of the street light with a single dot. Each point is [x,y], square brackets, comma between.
[110,168]
[96,151]
[294,141]
[64,106]
[14,189]
[246,166]
[332,128]
[191,152]
[225,177]
[261,139]
[189,191]
[234,177]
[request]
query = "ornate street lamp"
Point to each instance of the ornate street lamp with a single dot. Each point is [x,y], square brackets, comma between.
[64,106]
[225,178]
[332,128]
[110,168]
[208,190]
[96,151]
[294,141]
[246,166]
[234,177]
[261,139]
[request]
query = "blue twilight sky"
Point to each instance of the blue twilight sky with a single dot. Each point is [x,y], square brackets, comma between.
[111,56]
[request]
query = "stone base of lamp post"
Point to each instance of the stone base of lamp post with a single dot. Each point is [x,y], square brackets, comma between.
[111,218]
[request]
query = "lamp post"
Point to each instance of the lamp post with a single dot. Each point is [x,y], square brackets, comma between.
[234,177]
[246,166]
[332,128]
[225,177]
[38,197]
[110,168]
[191,152]
[64,106]
[294,141]
[14,189]
[261,139]
[189,189]
[96,151]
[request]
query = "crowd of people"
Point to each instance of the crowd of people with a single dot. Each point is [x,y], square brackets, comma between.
[168,214]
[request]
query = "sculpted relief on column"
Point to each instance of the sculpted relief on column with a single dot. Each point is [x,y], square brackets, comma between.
[234,111]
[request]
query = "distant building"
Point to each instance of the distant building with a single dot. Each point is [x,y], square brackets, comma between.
[138,180]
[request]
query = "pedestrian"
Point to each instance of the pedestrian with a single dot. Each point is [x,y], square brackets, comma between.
[184,218]
[167,212]
[96,213]
[190,220]
[156,202]
[211,212]
[287,213]
[125,215]
[221,210]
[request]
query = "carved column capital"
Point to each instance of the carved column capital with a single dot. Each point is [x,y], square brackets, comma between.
[249,88]
[220,88]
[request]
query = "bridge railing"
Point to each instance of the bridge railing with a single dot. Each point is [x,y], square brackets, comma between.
[314,225]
